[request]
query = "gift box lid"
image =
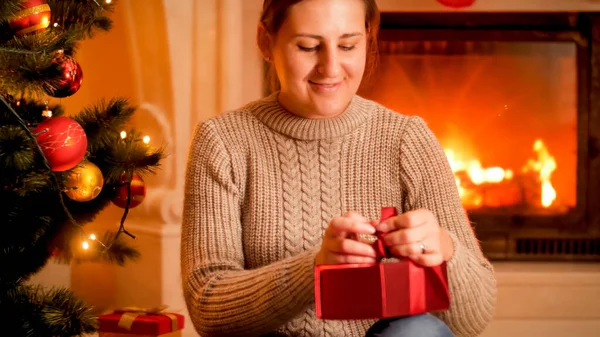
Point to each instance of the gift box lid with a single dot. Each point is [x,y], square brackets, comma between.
[140,323]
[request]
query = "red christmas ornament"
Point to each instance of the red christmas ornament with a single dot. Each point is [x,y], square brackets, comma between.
[457,3]
[138,193]
[34,16]
[69,78]
[63,142]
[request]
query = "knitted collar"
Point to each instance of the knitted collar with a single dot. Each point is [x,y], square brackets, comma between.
[272,114]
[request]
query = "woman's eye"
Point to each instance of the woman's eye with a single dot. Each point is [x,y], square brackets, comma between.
[346,48]
[308,48]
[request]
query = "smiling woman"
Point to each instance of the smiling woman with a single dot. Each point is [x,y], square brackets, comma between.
[319,62]
[290,181]
[317,57]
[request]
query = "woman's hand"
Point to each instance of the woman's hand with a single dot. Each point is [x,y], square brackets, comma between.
[418,236]
[340,243]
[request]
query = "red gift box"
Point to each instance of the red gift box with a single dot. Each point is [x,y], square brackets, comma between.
[380,290]
[139,321]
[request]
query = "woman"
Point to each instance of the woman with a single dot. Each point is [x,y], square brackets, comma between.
[292,181]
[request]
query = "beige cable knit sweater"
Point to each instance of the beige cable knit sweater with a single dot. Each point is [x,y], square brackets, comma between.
[262,185]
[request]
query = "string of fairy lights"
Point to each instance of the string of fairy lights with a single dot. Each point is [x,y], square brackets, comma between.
[85,244]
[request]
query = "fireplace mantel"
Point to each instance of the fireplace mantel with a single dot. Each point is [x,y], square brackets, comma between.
[493,6]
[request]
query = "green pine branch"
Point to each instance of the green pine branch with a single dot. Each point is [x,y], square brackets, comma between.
[127,155]
[29,227]
[17,151]
[102,122]
[32,311]
[28,109]
[27,61]
[82,19]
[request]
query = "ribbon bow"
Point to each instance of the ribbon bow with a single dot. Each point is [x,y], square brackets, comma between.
[131,313]
[382,252]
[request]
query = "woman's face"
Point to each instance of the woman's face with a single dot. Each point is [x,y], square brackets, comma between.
[319,54]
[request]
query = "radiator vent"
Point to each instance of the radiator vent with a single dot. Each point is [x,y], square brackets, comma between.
[558,246]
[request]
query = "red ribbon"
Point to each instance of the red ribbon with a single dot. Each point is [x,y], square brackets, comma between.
[382,252]
[418,294]
[416,274]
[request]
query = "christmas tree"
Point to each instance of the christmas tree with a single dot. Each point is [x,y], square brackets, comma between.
[58,171]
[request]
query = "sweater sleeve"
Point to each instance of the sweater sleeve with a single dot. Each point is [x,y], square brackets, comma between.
[222,297]
[430,184]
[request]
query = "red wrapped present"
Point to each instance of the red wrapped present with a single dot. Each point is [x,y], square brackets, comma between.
[380,290]
[140,322]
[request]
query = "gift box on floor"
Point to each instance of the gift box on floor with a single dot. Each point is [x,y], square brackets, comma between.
[380,290]
[140,322]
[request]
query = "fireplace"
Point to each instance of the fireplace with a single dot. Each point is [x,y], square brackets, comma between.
[515,101]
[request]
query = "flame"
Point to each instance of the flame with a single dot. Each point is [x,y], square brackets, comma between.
[545,165]
[470,174]
[476,175]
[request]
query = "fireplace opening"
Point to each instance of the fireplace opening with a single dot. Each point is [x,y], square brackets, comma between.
[514,100]
[504,112]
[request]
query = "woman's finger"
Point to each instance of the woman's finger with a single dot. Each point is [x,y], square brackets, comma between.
[427,260]
[404,236]
[340,226]
[350,247]
[334,258]
[410,249]
[408,219]
[413,249]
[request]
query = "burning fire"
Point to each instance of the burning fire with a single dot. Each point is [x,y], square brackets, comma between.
[478,186]
[545,165]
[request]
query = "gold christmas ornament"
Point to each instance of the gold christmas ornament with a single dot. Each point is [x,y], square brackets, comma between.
[85,182]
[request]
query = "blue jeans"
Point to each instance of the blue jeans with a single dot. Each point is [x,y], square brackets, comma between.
[425,325]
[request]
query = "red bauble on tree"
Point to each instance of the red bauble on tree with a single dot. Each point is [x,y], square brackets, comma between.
[137,190]
[34,16]
[63,142]
[457,3]
[68,79]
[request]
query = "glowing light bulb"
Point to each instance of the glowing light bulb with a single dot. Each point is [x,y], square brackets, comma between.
[146,139]
[85,245]
[108,1]
[55,24]
[92,237]
[123,134]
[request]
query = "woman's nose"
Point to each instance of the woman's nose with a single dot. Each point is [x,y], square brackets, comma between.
[329,63]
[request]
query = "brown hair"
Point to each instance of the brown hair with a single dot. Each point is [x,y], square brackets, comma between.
[275,12]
